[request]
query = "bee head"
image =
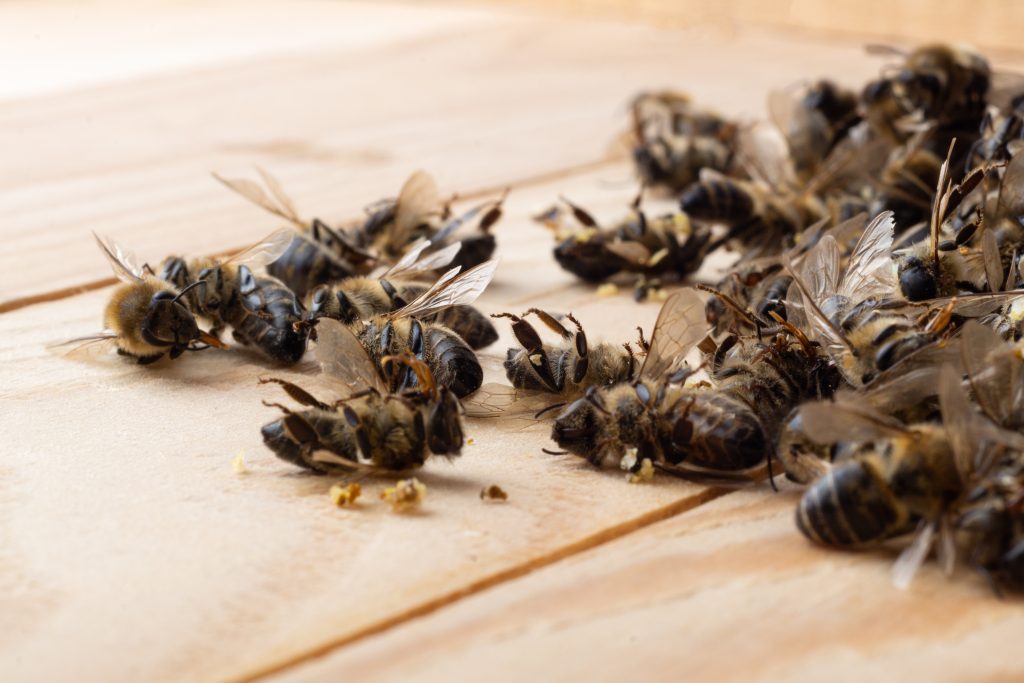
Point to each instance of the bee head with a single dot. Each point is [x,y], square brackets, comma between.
[168,322]
[917,280]
[578,429]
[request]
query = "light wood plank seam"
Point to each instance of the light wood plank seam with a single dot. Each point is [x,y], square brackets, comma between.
[599,538]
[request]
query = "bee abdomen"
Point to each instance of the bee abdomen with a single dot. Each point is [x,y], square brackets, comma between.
[849,506]
[473,326]
[454,363]
[717,432]
[717,200]
[305,264]
[332,434]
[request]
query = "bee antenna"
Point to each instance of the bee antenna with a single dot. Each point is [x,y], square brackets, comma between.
[189,288]
[553,406]
[544,450]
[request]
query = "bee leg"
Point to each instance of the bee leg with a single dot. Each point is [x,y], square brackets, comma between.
[146,360]
[362,438]
[550,321]
[582,363]
[528,338]
[297,393]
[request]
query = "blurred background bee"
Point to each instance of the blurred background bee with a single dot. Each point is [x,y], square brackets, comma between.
[372,429]
[146,316]
[261,310]
[360,298]
[673,140]
[392,226]
[665,248]
[317,253]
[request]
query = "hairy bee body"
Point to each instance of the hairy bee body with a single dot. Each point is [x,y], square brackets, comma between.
[450,359]
[880,494]
[879,338]
[148,321]
[356,299]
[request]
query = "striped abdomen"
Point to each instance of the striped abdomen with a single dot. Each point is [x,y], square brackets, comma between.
[266,318]
[452,361]
[333,434]
[851,505]
[718,199]
[717,431]
[306,264]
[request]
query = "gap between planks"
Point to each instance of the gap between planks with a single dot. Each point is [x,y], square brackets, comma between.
[602,537]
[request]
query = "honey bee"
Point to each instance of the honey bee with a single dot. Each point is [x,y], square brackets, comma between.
[451,361]
[360,298]
[567,370]
[260,310]
[317,254]
[392,226]
[147,317]
[944,83]
[999,133]
[909,476]
[812,119]
[372,429]
[667,246]
[674,140]
[718,433]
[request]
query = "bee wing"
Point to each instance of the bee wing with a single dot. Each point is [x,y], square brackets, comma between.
[122,262]
[418,201]
[958,418]
[763,149]
[884,50]
[412,264]
[858,156]
[975,305]
[995,373]
[993,261]
[871,272]
[344,358]
[454,288]
[252,191]
[802,127]
[267,250]
[890,393]
[913,556]
[505,401]
[82,346]
[680,325]
[284,201]
[1010,203]
[827,422]
[629,250]
[820,275]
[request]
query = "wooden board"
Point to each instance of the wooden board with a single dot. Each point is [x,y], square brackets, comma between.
[129,548]
[727,592]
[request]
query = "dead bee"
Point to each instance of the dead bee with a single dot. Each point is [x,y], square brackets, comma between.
[564,372]
[317,253]
[989,531]
[813,118]
[912,475]
[944,83]
[719,433]
[674,140]
[260,310]
[452,362]
[999,133]
[361,298]
[668,247]
[372,429]
[392,226]
[146,317]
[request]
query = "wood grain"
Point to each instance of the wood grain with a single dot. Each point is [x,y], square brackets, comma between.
[479,99]
[127,537]
[727,592]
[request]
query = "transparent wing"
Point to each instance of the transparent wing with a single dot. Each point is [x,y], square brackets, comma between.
[452,289]
[957,416]
[913,556]
[284,202]
[343,358]
[871,272]
[820,271]
[680,325]
[83,347]
[414,263]
[909,388]
[505,401]
[267,250]
[122,262]
[826,423]
[975,305]
[995,373]
[252,191]
[763,149]
[993,261]
[418,202]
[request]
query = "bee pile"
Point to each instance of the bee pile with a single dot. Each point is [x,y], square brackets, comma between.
[868,343]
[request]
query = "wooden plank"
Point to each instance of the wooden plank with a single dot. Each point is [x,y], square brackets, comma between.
[126,536]
[727,592]
[479,100]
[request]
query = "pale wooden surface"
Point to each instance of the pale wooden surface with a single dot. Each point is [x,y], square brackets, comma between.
[130,550]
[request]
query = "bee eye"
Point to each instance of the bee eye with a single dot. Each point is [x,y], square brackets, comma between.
[917,283]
